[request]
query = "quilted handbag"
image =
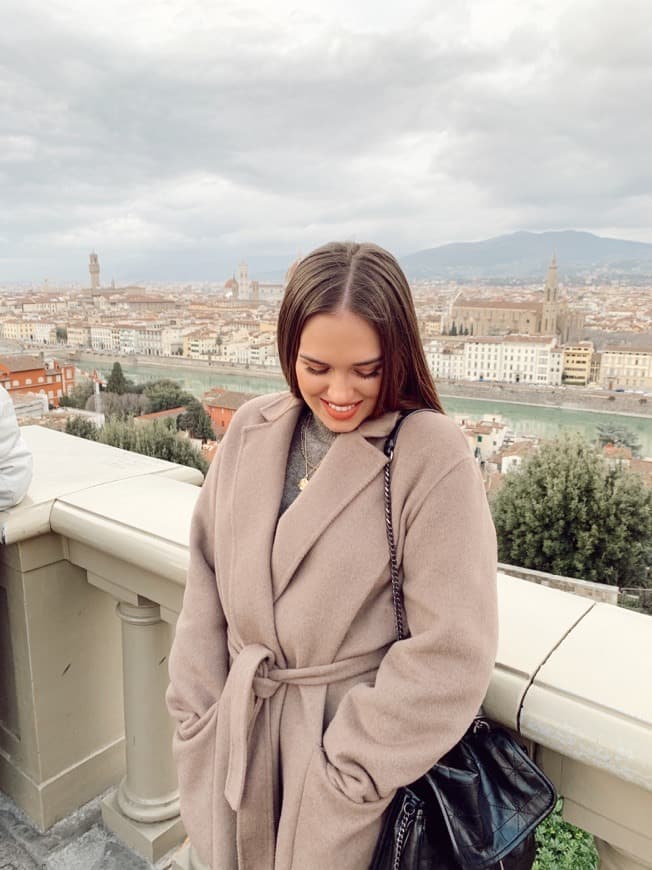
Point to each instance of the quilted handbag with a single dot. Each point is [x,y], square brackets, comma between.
[475,809]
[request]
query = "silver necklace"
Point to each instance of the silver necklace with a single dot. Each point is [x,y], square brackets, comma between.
[310,467]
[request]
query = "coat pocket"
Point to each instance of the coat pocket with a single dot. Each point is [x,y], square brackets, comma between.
[193,747]
[333,830]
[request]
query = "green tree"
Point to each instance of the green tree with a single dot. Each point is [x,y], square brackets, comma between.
[82,427]
[453,330]
[619,436]
[157,439]
[62,334]
[79,395]
[114,405]
[117,382]
[567,511]
[196,421]
[165,394]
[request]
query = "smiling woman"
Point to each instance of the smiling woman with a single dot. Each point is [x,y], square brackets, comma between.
[297,716]
[339,369]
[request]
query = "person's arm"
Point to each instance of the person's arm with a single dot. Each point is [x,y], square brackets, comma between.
[428,687]
[198,669]
[199,658]
[15,456]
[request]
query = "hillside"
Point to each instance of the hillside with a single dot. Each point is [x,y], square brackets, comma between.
[526,255]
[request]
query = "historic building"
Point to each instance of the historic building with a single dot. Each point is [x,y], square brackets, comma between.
[486,317]
[577,363]
[22,375]
[626,368]
[530,359]
[221,405]
[94,269]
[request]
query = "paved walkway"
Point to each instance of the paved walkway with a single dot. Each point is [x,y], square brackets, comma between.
[78,842]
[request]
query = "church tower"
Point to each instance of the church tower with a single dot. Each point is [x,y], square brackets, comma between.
[94,269]
[550,308]
[243,280]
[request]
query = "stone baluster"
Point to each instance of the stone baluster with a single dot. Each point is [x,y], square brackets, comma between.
[144,810]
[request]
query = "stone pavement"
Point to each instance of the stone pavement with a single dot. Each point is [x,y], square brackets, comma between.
[78,842]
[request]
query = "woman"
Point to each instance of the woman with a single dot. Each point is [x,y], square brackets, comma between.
[297,717]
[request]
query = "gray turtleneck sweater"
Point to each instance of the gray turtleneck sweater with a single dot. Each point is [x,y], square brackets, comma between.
[318,439]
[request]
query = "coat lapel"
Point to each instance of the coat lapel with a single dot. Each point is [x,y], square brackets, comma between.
[348,467]
[258,487]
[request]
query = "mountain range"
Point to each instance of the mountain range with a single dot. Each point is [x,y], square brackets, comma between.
[524,255]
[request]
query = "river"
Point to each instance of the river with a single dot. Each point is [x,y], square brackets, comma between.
[522,419]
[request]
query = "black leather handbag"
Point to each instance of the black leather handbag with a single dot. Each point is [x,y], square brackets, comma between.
[475,809]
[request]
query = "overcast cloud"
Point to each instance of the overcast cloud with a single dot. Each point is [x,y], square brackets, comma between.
[176,138]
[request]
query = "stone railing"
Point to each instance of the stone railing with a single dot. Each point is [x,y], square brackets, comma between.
[92,581]
[596,591]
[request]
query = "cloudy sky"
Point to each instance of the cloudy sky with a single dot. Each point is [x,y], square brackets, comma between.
[176,137]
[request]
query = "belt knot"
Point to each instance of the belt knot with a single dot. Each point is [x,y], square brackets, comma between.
[253,678]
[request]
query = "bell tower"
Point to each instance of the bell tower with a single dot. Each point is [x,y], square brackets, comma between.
[94,269]
[550,308]
[243,281]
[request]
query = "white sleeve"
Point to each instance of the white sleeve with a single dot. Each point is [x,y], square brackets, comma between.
[15,456]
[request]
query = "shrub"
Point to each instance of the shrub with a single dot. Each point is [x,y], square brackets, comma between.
[562,846]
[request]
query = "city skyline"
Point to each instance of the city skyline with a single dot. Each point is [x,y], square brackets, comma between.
[178,139]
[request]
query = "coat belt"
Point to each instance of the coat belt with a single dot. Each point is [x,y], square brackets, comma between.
[252,680]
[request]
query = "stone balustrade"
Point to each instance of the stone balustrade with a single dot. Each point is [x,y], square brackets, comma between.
[91,582]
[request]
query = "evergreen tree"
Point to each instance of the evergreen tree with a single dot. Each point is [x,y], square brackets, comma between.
[82,427]
[158,439]
[165,394]
[113,405]
[196,421]
[453,330]
[117,382]
[619,436]
[567,511]
[79,395]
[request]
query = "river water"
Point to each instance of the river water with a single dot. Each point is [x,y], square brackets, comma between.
[522,419]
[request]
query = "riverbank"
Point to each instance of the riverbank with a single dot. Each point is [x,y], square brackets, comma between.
[564,398]
[105,361]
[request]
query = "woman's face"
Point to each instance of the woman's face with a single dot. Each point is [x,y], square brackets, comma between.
[339,369]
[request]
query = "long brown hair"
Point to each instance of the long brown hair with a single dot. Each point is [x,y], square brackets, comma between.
[366,280]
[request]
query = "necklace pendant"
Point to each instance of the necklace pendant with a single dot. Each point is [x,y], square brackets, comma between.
[303,483]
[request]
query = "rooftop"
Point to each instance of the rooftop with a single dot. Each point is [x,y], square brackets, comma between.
[21,363]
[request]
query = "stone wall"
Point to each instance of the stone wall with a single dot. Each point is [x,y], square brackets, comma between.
[569,398]
[596,591]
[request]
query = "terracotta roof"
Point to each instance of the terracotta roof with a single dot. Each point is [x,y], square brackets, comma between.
[218,398]
[611,451]
[616,349]
[528,339]
[159,415]
[488,303]
[22,363]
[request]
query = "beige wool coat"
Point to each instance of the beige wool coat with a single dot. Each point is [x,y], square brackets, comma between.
[297,717]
